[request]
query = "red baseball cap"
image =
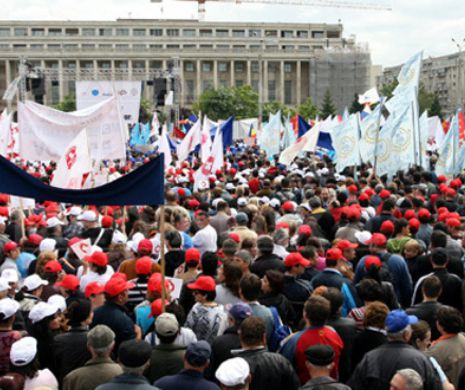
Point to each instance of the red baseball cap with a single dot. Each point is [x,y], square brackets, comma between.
[451,192]
[203,283]
[456,183]
[4,198]
[442,179]
[282,225]
[424,214]
[235,237]
[377,239]
[453,222]
[295,258]
[409,214]
[53,266]
[363,196]
[69,282]
[288,206]
[193,203]
[384,194]
[116,286]
[387,226]
[4,211]
[35,239]
[305,230]
[334,254]
[145,246]
[94,288]
[144,266]
[119,275]
[154,283]
[192,254]
[107,222]
[353,189]
[442,210]
[346,244]
[9,246]
[97,258]
[414,223]
[156,308]
[372,260]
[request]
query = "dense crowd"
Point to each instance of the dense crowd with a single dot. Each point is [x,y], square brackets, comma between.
[293,277]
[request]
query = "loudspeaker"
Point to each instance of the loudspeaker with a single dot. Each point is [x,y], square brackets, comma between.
[160,91]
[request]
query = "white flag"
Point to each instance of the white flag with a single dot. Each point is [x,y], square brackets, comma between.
[169,98]
[369,97]
[306,143]
[46,132]
[82,248]
[448,151]
[5,132]
[424,136]
[155,126]
[73,164]
[205,138]
[190,141]
[270,137]
[345,139]
[289,136]
[409,75]
[435,134]
[369,128]
[164,147]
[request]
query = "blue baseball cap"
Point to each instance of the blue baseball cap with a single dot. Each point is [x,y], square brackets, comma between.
[197,354]
[398,320]
[240,311]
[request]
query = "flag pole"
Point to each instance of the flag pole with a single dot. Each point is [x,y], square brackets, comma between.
[378,125]
[123,224]
[162,256]
[21,216]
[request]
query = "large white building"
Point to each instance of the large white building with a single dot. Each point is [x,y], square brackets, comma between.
[298,60]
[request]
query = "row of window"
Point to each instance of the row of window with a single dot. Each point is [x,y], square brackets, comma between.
[239,67]
[170,32]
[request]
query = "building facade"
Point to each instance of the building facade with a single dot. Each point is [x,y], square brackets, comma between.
[443,76]
[286,61]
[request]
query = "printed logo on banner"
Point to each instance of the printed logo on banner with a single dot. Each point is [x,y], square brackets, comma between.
[71,157]
[95,92]
[123,92]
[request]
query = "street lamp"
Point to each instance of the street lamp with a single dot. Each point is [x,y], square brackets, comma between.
[460,47]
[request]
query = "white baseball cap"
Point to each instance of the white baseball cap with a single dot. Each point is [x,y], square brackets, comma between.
[23,351]
[58,301]
[242,202]
[74,211]
[363,237]
[42,310]
[119,238]
[47,244]
[88,216]
[3,220]
[34,281]
[53,222]
[233,372]
[230,186]
[8,307]
[275,203]
[4,285]
[10,275]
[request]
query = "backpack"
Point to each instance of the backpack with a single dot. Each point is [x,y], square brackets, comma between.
[280,331]
[384,272]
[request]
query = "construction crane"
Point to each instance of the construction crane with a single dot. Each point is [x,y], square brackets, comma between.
[368,5]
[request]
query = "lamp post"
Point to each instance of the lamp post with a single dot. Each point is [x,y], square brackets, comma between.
[460,45]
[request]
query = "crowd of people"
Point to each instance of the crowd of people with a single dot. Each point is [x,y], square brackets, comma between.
[293,277]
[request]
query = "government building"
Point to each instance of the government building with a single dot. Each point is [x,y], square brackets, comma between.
[288,62]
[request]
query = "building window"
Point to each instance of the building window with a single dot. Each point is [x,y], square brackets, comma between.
[206,67]
[239,83]
[20,46]
[206,85]
[37,46]
[87,32]
[255,85]
[287,91]
[287,67]
[206,47]
[255,67]
[105,47]
[138,64]
[222,47]
[271,33]
[139,32]
[70,46]
[223,83]
[239,47]
[122,32]
[206,33]
[172,46]
[239,67]
[288,47]
[272,47]
[302,34]
[55,93]
[304,48]
[139,47]
[105,32]
[121,47]
[20,32]
[333,34]
[57,46]
[38,32]
[4,46]
[287,34]
[5,32]
[222,33]
[222,66]
[156,32]
[172,32]
[189,67]
[189,46]
[71,32]
[318,34]
[238,33]
[255,33]
[104,65]
[271,90]
[190,90]
[255,47]
[188,32]
[158,47]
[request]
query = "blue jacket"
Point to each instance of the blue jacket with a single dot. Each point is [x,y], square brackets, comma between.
[128,382]
[186,379]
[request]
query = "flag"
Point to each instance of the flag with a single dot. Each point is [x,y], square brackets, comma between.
[205,139]
[73,165]
[289,135]
[271,135]
[423,140]
[369,97]
[5,132]
[345,115]
[252,131]
[135,138]
[46,132]
[436,133]
[345,139]
[302,126]
[227,132]
[409,75]
[144,185]
[164,147]
[306,143]
[82,248]
[448,150]
[190,141]
[461,121]
[213,162]
[325,144]
[369,128]
[178,133]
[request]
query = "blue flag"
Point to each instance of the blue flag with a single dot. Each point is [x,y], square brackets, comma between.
[303,126]
[145,185]
[227,130]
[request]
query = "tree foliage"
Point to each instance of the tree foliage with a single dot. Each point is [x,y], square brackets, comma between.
[387,89]
[307,109]
[356,106]
[67,105]
[242,102]
[435,109]
[274,107]
[328,108]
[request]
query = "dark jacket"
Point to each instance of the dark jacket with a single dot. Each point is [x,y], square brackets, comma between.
[424,266]
[266,262]
[93,233]
[346,328]
[296,290]
[426,311]
[70,351]
[166,359]
[364,342]
[374,224]
[221,349]
[173,259]
[128,382]
[281,303]
[324,383]
[270,371]
[377,368]
[186,380]
[117,319]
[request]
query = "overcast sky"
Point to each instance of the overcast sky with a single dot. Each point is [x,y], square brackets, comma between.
[393,36]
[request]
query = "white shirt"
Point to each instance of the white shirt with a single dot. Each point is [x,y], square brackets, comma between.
[205,239]
[42,378]
[280,251]
[92,276]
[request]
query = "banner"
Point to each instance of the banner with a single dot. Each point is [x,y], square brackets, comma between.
[143,186]
[306,143]
[346,143]
[409,75]
[446,164]
[45,132]
[190,141]
[270,137]
[90,93]
[5,130]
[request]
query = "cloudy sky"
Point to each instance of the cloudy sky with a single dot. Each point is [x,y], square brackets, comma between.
[393,36]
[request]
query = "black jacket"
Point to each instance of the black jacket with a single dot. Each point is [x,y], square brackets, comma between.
[426,311]
[173,259]
[221,349]
[70,351]
[128,382]
[296,290]
[266,262]
[270,371]
[424,266]
[281,303]
[365,341]
[374,224]
[377,368]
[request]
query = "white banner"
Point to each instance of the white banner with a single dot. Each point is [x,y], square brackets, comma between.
[17,202]
[90,93]
[45,132]
[82,248]
[5,129]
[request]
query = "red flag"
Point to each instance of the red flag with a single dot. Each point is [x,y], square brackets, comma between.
[295,123]
[177,133]
[461,119]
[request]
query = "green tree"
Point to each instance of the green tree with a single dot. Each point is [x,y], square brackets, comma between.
[242,102]
[274,107]
[67,105]
[307,109]
[356,106]
[328,107]
[425,99]
[387,89]
[435,108]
